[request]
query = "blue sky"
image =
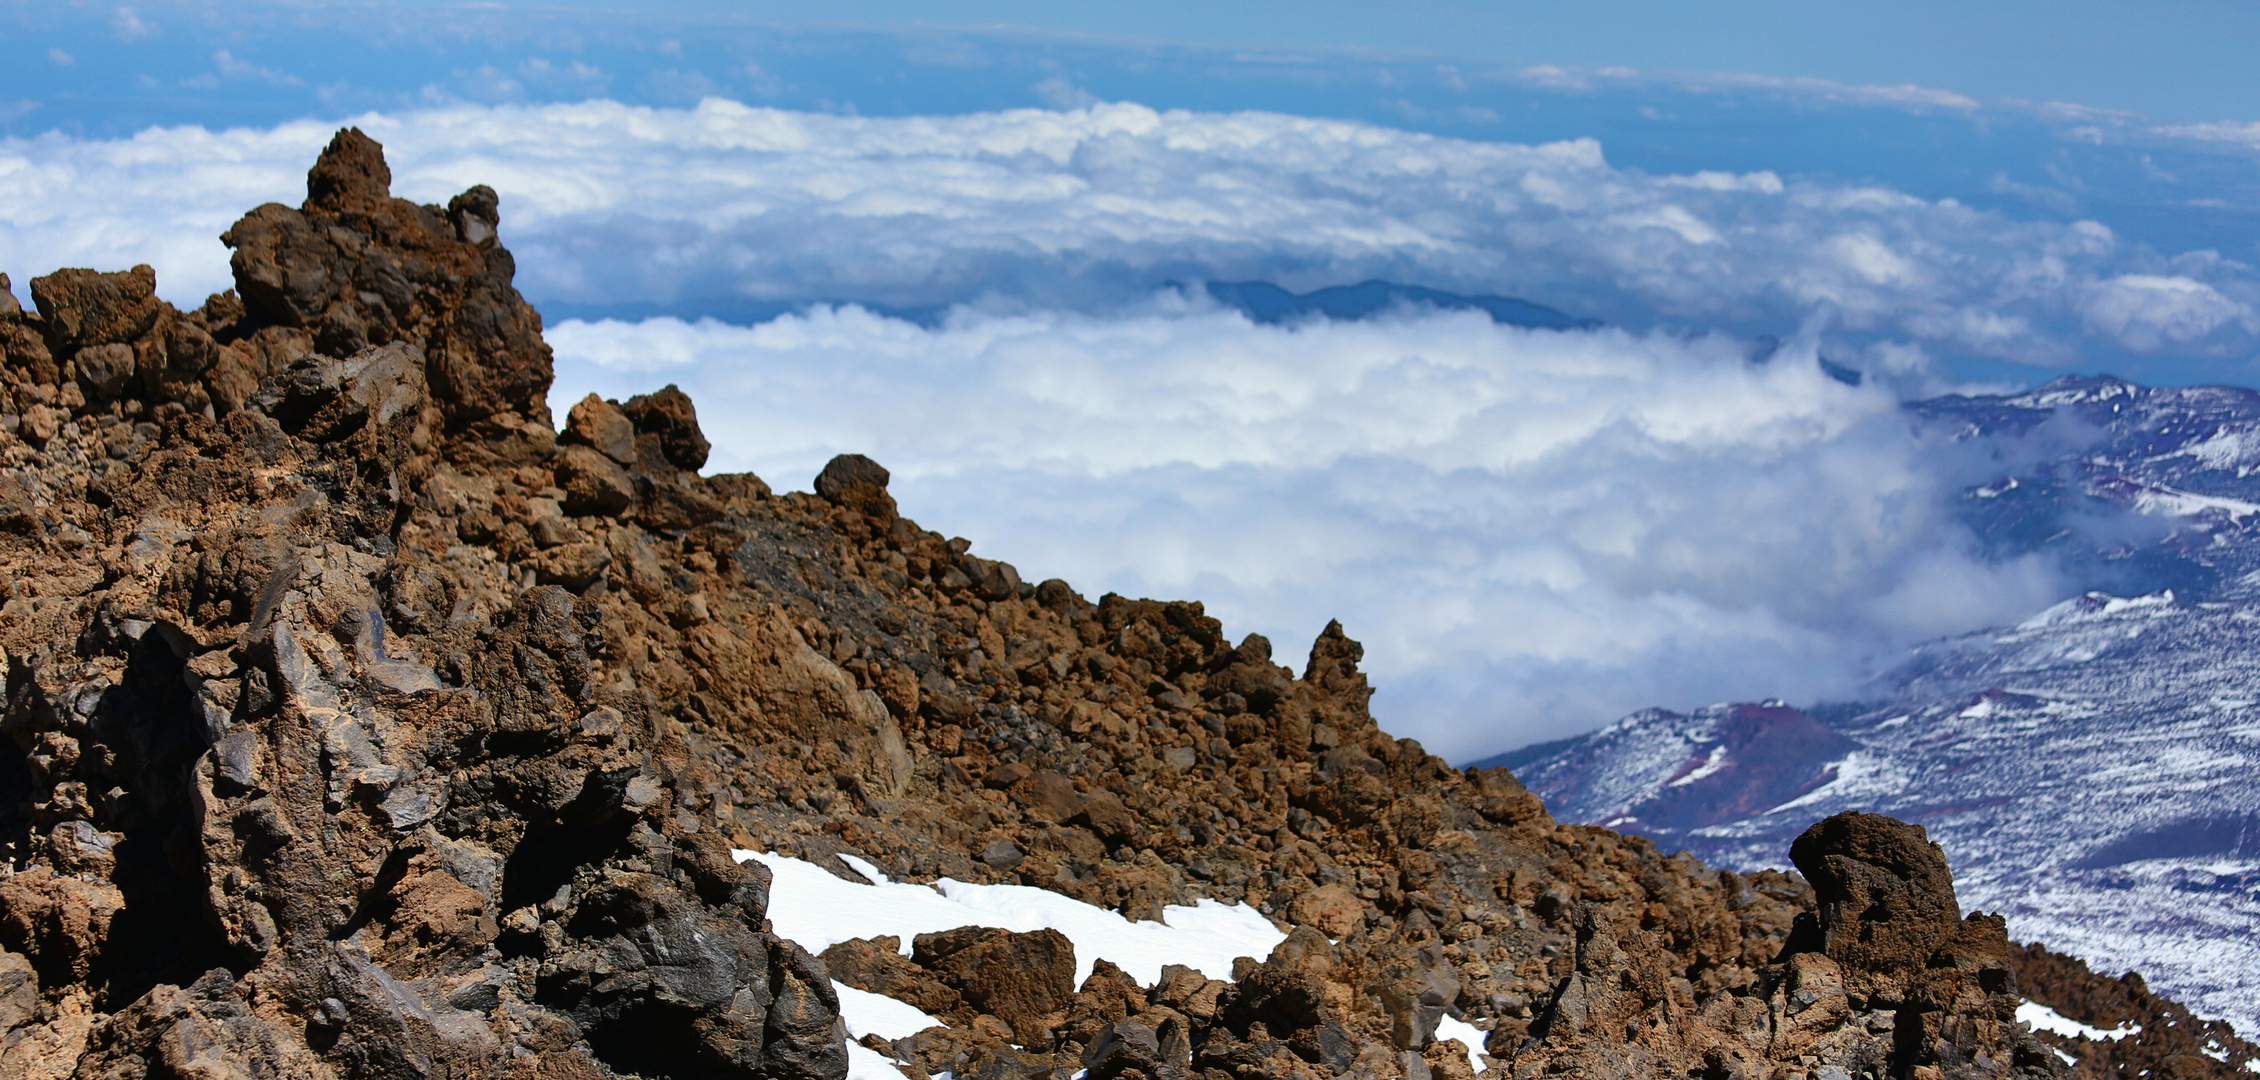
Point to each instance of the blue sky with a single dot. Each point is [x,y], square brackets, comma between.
[1535,533]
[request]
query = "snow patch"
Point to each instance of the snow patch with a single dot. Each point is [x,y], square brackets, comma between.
[2168,502]
[1861,772]
[1470,1036]
[2227,450]
[2040,1017]
[865,1063]
[2098,605]
[866,1013]
[817,909]
[1710,765]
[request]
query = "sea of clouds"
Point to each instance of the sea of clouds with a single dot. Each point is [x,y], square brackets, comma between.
[1530,530]
[1533,532]
[1084,208]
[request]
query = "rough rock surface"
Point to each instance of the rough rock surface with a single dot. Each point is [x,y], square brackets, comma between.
[360,725]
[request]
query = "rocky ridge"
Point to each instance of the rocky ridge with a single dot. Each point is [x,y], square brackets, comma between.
[360,723]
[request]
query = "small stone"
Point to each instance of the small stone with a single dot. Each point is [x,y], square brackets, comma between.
[592,482]
[642,792]
[19,985]
[80,848]
[104,370]
[407,807]
[599,424]
[1334,909]
[237,758]
[991,580]
[602,722]
[1121,1048]
[574,566]
[1002,855]
[857,483]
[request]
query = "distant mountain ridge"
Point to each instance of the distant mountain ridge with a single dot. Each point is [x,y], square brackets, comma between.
[2091,769]
[1268,303]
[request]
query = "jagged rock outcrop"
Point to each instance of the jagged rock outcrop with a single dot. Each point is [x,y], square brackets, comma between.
[303,783]
[361,725]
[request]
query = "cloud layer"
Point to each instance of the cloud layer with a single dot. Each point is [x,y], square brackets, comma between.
[1532,531]
[1089,208]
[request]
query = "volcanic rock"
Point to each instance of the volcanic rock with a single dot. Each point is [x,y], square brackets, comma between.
[1886,899]
[1021,979]
[361,725]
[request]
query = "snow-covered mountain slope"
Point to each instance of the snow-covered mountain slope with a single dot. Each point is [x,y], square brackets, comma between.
[2093,772]
[2133,488]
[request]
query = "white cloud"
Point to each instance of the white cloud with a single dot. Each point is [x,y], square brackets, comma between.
[231,66]
[576,76]
[1909,98]
[130,26]
[1093,207]
[1059,93]
[2147,311]
[61,58]
[1529,530]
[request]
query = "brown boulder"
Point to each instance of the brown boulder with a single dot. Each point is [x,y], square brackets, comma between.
[1107,818]
[574,566]
[597,423]
[856,483]
[204,1030]
[1021,979]
[669,416]
[60,923]
[85,308]
[877,965]
[592,482]
[1886,897]
[355,267]
[1333,909]
[350,175]
[104,370]
[990,579]
[26,353]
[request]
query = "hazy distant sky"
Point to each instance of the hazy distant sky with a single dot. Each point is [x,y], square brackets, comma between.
[2169,59]
[2174,60]
[1533,532]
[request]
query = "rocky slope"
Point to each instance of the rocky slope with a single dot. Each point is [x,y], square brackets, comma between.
[360,724]
[2089,770]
